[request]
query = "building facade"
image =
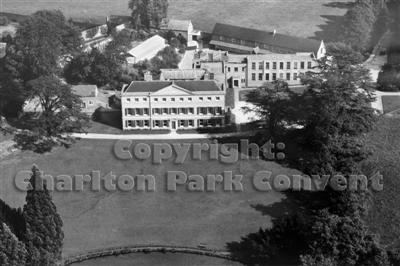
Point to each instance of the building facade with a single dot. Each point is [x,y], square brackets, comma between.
[172,105]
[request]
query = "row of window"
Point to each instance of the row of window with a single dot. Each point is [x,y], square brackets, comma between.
[282,65]
[236,69]
[274,76]
[190,123]
[174,111]
[173,99]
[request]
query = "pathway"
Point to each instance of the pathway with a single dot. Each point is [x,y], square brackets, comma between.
[170,136]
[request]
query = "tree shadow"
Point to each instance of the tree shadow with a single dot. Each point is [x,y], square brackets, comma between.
[111,119]
[332,30]
[285,207]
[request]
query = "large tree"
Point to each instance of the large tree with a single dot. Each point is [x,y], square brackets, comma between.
[60,114]
[44,235]
[12,250]
[35,51]
[148,13]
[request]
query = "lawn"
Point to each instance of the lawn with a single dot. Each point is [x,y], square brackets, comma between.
[95,220]
[390,103]
[299,18]
[384,217]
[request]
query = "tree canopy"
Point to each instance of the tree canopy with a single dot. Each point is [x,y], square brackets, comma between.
[148,14]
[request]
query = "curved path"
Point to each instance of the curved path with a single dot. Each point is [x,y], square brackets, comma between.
[115,251]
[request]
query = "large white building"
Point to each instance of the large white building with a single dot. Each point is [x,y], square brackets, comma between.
[172,105]
[146,50]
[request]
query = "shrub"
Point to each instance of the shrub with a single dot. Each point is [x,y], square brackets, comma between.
[4,21]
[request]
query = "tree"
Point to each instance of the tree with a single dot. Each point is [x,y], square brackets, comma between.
[148,14]
[343,54]
[96,68]
[12,250]
[35,51]
[273,102]
[44,235]
[60,115]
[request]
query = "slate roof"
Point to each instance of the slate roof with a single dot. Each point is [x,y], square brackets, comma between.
[182,74]
[175,24]
[155,43]
[154,86]
[296,44]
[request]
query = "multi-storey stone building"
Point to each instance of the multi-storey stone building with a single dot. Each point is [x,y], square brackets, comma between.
[172,105]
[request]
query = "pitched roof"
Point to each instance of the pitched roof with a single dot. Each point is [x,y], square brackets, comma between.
[152,44]
[85,90]
[182,74]
[296,44]
[175,24]
[154,86]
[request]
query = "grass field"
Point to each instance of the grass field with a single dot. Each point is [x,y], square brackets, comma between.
[390,103]
[384,217]
[103,219]
[305,18]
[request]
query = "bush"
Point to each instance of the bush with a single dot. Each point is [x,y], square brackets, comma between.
[389,78]
[4,21]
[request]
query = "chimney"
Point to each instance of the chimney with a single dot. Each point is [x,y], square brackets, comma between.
[148,76]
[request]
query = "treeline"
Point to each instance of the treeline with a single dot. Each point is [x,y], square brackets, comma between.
[364,23]
[32,236]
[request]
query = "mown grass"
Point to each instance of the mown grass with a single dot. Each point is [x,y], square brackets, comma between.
[300,18]
[384,217]
[390,103]
[102,219]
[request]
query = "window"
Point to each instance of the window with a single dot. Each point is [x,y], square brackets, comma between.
[191,111]
[209,98]
[146,111]
[218,98]
[145,99]
[260,76]
[165,123]
[165,110]
[274,65]
[156,99]
[181,123]
[229,69]
[295,76]
[261,66]
[273,76]
[181,99]
[201,98]
[90,103]
[172,99]
[302,65]
[287,76]
[146,123]
[309,65]
[191,123]
[267,65]
[190,99]
[253,66]
[295,65]
[128,100]
[156,111]
[157,123]
[281,76]
[236,69]
[173,111]
[164,99]
[281,65]
[253,76]
[288,65]
[136,99]
[243,69]
[267,76]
